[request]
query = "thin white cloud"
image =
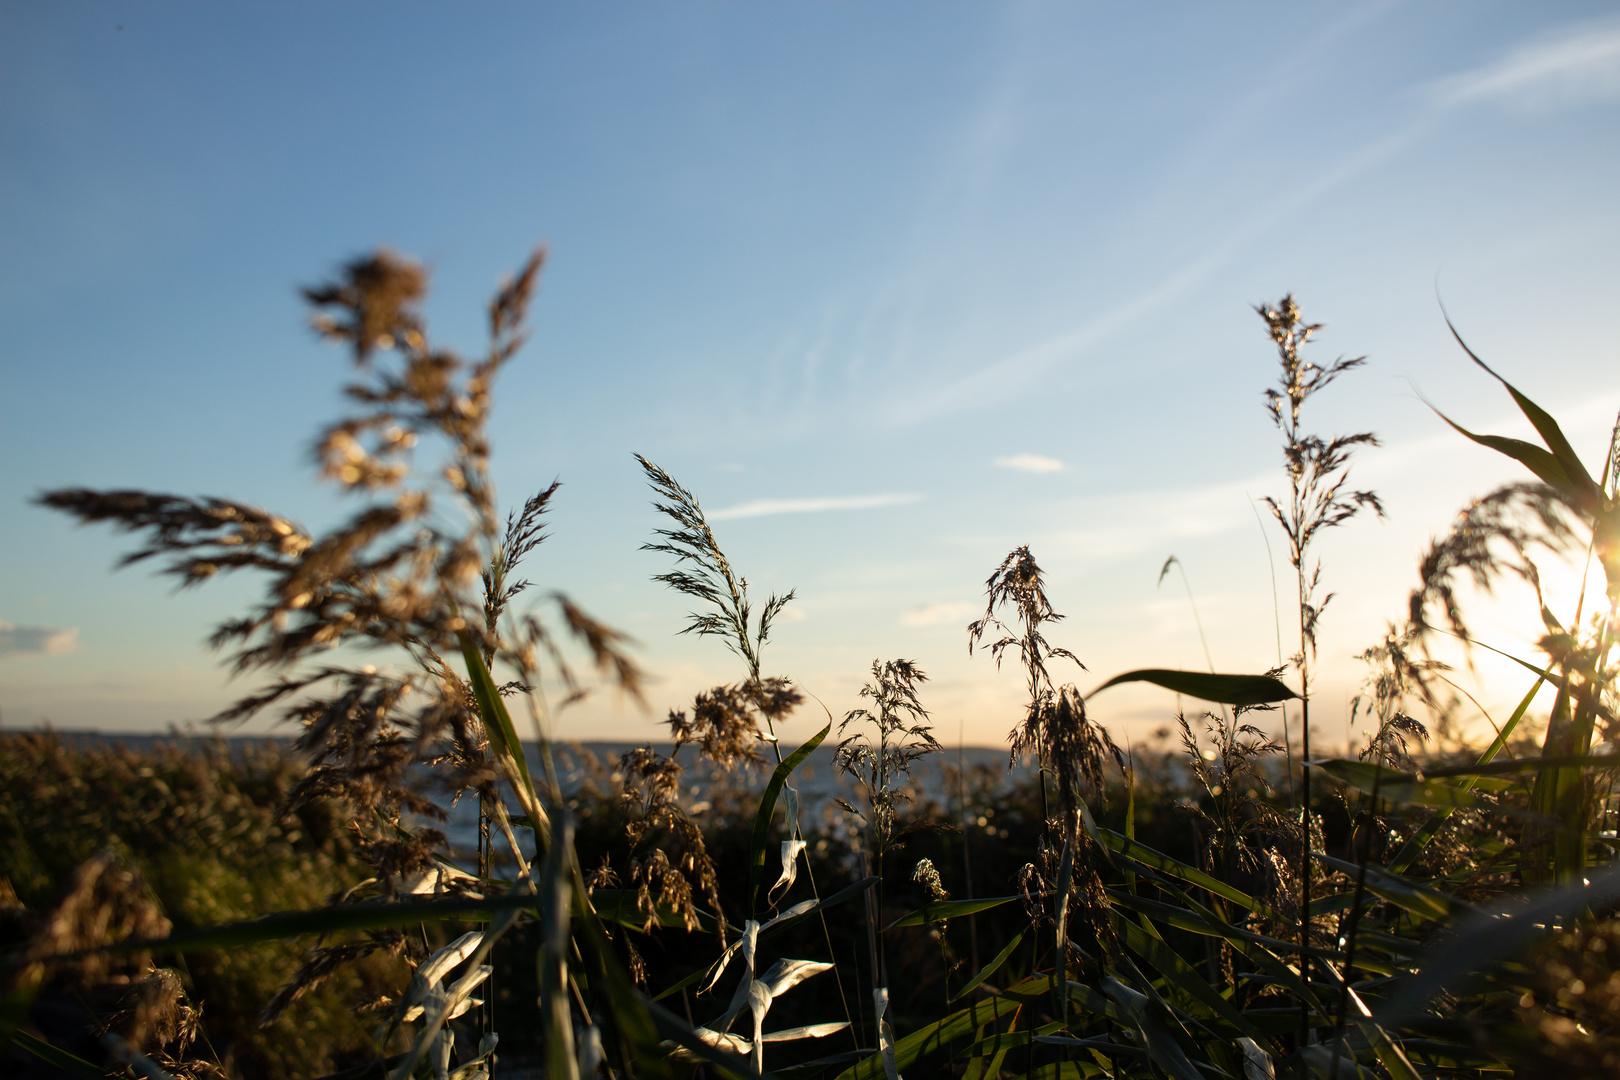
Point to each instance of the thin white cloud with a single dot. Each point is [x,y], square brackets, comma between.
[36,640]
[938,614]
[1576,66]
[1000,379]
[1029,463]
[768,507]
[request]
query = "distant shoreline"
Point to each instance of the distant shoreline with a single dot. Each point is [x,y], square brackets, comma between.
[621,745]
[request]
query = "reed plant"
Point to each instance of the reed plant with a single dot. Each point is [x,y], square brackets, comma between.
[1197,910]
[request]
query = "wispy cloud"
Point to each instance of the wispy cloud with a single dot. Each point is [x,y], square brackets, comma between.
[938,614]
[1575,66]
[767,507]
[1008,375]
[1029,463]
[36,640]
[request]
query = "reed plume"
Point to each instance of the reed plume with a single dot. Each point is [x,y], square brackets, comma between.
[1318,498]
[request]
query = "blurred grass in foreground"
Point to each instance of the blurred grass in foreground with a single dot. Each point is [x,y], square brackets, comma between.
[198,821]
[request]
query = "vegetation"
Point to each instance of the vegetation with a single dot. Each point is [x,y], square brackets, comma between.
[1217,908]
[194,835]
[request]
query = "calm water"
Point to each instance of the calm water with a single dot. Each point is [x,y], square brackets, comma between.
[579,763]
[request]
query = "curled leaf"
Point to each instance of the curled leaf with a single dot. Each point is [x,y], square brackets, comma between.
[790,868]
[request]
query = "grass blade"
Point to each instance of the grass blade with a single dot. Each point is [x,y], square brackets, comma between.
[1146,856]
[948,909]
[767,810]
[1395,786]
[1182,974]
[1546,466]
[949,1029]
[1573,479]
[503,738]
[1223,689]
[1524,765]
[1258,948]
[991,968]
[996,1045]
[556,904]
[1421,901]
[1414,847]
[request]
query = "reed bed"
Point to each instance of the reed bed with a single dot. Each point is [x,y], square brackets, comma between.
[1223,904]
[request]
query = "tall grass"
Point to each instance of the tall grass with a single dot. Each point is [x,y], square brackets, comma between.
[1408,912]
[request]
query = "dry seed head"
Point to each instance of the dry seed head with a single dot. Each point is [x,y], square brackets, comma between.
[926,875]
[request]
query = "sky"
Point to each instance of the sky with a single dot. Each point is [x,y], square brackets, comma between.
[893,288]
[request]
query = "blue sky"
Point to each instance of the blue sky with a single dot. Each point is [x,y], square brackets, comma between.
[893,288]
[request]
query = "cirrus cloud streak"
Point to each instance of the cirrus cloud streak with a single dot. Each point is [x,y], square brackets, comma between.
[939,614]
[1581,64]
[1029,463]
[769,507]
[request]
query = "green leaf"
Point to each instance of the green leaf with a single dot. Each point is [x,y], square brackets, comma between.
[1148,1017]
[1178,971]
[1068,1070]
[503,738]
[948,909]
[767,809]
[1547,468]
[1007,1040]
[1224,689]
[956,1026]
[1260,949]
[990,1050]
[1411,896]
[54,1055]
[1094,830]
[1534,669]
[1157,860]
[1388,1052]
[1410,850]
[1573,479]
[1514,766]
[1195,918]
[1395,786]
[991,968]
[1091,1001]
[814,1070]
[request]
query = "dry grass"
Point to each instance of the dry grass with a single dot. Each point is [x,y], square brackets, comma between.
[1211,908]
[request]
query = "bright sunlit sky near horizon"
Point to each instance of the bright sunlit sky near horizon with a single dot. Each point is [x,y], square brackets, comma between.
[892,287]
